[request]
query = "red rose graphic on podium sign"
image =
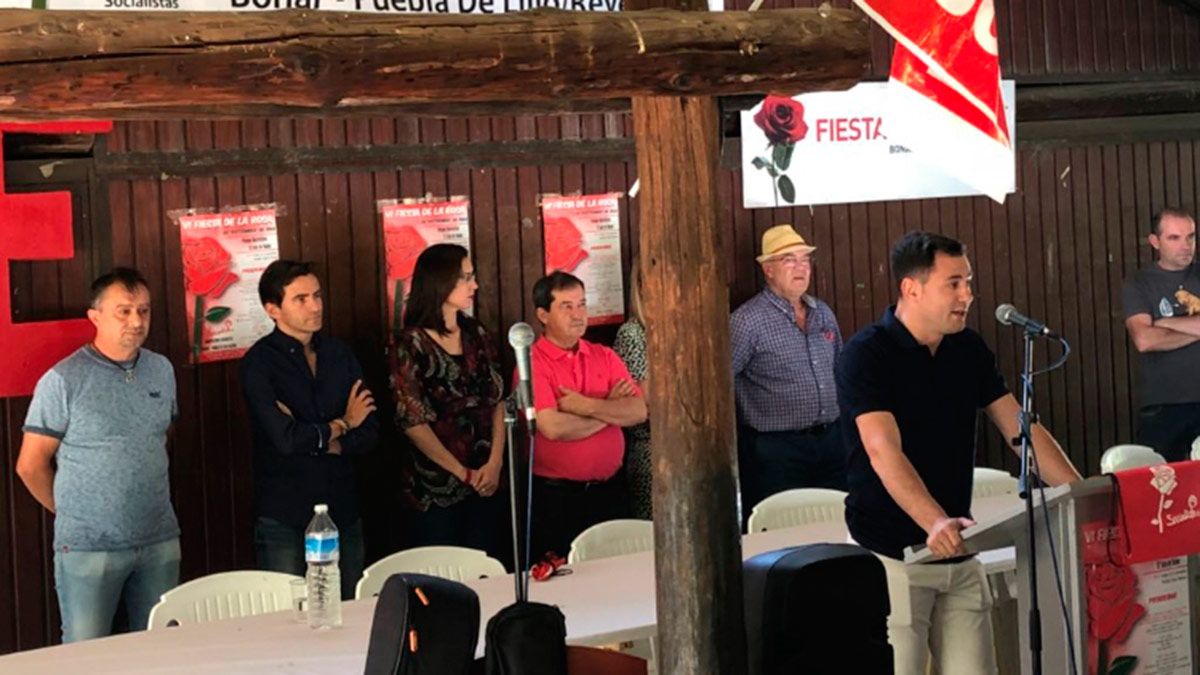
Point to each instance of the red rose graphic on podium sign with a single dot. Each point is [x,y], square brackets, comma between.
[1112,612]
[564,245]
[782,121]
[402,246]
[206,270]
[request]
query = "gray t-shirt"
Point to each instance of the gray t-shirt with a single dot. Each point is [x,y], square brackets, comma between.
[111,489]
[1172,376]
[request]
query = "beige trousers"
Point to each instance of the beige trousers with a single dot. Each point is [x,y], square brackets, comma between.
[943,613]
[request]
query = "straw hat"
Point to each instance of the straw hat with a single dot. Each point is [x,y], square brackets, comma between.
[782,239]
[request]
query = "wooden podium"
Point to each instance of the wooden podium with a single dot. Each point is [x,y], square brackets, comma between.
[1072,510]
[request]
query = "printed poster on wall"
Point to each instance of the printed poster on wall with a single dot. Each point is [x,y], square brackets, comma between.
[832,147]
[1138,616]
[583,237]
[410,227]
[224,254]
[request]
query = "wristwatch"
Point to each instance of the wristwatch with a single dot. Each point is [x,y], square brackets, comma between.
[341,421]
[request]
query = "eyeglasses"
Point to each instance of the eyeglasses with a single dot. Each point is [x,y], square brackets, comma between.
[468,278]
[793,261]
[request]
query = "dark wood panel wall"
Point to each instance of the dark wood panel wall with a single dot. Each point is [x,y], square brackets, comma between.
[1059,249]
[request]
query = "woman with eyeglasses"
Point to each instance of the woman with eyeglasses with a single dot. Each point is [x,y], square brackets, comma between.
[446,380]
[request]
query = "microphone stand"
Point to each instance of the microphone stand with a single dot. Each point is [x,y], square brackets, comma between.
[520,571]
[510,422]
[1028,480]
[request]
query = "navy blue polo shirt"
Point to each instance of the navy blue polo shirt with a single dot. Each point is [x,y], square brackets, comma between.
[292,468]
[935,399]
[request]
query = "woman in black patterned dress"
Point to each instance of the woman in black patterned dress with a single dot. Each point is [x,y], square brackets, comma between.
[447,384]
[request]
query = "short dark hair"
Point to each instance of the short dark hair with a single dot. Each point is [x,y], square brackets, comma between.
[434,278]
[278,276]
[1169,212]
[914,254]
[543,290]
[127,277]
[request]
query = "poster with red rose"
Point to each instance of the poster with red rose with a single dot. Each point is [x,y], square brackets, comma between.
[1138,615]
[411,226]
[837,147]
[583,236]
[224,254]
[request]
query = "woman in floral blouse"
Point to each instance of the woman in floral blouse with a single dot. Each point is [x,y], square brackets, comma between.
[630,345]
[447,384]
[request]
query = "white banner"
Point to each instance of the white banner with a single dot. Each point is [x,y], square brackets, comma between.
[374,6]
[832,148]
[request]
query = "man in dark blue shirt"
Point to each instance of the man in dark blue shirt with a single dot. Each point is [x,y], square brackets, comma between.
[310,413]
[910,388]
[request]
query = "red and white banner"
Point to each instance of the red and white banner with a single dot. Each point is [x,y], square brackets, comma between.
[224,254]
[1158,511]
[409,228]
[945,83]
[835,147]
[583,237]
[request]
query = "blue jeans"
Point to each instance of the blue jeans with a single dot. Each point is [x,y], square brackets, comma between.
[280,548]
[90,585]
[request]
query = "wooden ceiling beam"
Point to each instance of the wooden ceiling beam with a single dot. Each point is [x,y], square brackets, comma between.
[121,65]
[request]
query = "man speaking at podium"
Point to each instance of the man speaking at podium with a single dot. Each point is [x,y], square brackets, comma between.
[910,387]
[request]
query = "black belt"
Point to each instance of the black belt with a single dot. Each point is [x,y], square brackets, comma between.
[578,485]
[816,428]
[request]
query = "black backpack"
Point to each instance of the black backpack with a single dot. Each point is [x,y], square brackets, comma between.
[527,638]
[820,608]
[422,625]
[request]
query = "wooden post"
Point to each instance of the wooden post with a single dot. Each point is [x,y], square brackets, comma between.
[697,531]
[698,545]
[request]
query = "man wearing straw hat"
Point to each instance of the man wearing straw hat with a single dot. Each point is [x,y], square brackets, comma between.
[785,342]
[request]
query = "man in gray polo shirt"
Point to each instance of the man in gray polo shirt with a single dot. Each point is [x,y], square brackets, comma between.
[94,454]
[1162,314]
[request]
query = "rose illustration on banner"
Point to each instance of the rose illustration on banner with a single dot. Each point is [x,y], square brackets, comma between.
[1162,477]
[1112,611]
[564,245]
[402,247]
[782,120]
[206,269]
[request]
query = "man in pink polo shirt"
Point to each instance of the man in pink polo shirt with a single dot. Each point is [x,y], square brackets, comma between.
[584,395]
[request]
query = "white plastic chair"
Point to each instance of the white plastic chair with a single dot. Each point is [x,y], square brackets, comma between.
[797,507]
[1121,457]
[225,595]
[612,538]
[993,483]
[448,562]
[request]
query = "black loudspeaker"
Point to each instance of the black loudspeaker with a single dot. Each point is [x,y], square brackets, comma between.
[423,625]
[820,608]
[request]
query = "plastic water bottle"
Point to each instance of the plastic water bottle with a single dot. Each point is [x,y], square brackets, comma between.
[324,579]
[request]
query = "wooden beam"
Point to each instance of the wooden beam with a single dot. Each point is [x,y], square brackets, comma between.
[697,532]
[1107,99]
[120,65]
[280,161]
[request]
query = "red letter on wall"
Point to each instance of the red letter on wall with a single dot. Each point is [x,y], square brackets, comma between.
[36,227]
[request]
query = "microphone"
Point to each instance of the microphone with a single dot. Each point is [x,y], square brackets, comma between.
[1009,316]
[520,338]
